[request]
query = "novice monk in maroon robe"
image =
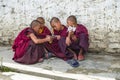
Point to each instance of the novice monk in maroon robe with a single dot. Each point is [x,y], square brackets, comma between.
[27,46]
[59,32]
[77,38]
[44,31]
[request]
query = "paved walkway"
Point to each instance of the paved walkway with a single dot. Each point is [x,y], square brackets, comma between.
[19,76]
[95,67]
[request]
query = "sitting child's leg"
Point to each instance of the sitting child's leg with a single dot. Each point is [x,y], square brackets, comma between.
[81,55]
[74,53]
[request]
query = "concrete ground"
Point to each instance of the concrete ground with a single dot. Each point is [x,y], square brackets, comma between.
[95,67]
[19,76]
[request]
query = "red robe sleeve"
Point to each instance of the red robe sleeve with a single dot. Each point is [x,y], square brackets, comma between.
[81,29]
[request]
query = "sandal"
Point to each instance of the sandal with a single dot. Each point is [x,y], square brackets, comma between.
[73,62]
[48,55]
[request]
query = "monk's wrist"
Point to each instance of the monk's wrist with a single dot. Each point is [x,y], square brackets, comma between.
[68,37]
[45,40]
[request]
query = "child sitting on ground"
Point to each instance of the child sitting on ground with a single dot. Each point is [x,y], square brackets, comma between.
[59,31]
[77,38]
[28,47]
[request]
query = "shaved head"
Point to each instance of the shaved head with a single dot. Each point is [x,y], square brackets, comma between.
[72,18]
[34,23]
[41,20]
[54,20]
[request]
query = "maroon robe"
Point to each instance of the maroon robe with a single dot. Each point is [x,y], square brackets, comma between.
[59,46]
[45,32]
[82,35]
[26,51]
[62,33]
[54,46]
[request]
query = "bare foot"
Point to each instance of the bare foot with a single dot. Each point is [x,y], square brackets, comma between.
[41,60]
[81,57]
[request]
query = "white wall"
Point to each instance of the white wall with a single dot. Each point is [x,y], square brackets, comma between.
[101,17]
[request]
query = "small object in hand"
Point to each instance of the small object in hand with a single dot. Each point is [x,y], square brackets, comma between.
[53,36]
[69,28]
[50,41]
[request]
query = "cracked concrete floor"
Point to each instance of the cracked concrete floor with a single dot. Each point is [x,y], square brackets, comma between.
[105,65]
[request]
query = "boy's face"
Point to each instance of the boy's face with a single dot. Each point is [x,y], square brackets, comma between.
[42,25]
[70,23]
[56,25]
[37,28]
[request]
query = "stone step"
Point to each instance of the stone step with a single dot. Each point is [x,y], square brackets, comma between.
[55,74]
[20,76]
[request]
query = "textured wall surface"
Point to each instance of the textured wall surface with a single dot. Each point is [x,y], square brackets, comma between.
[101,17]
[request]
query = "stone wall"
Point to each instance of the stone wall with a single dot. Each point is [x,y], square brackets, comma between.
[101,17]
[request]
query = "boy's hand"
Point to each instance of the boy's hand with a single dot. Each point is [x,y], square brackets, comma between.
[48,38]
[68,41]
[58,37]
[71,32]
[74,38]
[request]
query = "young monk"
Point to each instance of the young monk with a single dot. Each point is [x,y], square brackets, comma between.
[28,48]
[77,38]
[59,32]
[44,31]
